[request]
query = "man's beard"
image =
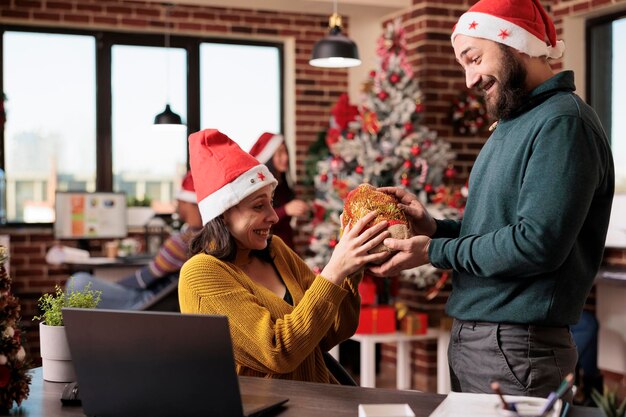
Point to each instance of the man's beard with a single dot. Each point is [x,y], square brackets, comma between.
[511,93]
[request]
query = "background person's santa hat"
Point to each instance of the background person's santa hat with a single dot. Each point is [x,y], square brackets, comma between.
[187,191]
[223,173]
[265,146]
[521,24]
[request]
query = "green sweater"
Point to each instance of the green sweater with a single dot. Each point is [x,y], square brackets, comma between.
[533,232]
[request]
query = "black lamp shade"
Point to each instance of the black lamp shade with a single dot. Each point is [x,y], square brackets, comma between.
[167,117]
[335,51]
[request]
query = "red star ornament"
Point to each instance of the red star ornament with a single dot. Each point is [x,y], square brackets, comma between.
[344,112]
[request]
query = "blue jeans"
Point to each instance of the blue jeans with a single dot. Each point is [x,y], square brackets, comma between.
[114,296]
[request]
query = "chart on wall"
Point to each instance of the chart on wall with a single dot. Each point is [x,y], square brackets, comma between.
[90,215]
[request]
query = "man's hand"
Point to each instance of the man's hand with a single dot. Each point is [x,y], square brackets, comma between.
[419,219]
[411,253]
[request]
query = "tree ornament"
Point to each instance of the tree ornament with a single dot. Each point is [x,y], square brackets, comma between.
[419,108]
[350,135]
[428,188]
[405,181]
[14,377]
[359,169]
[343,112]
[408,127]
[394,78]
[324,177]
[407,164]
[450,172]
[372,74]
[383,95]
[332,243]
[336,165]
[416,150]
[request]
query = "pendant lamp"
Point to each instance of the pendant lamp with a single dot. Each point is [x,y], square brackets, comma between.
[167,119]
[335,50]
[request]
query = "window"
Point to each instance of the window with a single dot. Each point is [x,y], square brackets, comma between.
[240,90]
[606,67]
[143,80]
[80,111]
[50,129]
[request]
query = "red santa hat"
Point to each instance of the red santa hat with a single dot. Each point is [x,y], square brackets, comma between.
[187,192]
[521,24]
[265,147]
[223,173]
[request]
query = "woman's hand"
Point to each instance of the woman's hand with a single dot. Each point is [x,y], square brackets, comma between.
[351,253]
[420,220]
[297,208]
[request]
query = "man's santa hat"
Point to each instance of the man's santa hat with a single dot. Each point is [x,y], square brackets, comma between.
[187,192]
[266,145]
[223,173]
[521,24]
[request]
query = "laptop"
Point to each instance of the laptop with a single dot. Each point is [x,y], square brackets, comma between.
[149,363]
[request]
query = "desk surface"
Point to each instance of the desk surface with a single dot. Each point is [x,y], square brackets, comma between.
[305,399]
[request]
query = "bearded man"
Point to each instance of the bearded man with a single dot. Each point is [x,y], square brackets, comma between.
[531,241]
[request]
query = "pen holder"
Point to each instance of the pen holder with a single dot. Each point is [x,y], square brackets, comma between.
[527,408]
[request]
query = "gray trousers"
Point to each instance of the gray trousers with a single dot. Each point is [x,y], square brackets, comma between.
[524,359]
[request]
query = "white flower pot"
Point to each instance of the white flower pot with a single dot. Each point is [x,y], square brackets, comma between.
[55,354]
[138,216]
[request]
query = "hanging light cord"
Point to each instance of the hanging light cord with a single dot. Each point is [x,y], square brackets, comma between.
[167,53]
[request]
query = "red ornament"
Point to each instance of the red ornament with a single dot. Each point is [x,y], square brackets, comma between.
[450,172]
[359,169]
[383,95]
[408,127]
[416,150]
[350,135]
[372,74]
[344,112]
[419,108]
[405,181]
[332,243]
[407,164]
[428,188]
[324,177]
[394,78]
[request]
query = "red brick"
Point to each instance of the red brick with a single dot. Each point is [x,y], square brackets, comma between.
[54,5]
[76,19]
[89,7]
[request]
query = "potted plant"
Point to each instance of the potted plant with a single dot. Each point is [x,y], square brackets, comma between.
[139,211]
[608,403]
[55,353]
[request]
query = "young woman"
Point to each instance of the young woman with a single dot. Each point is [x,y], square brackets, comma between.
[282,316]
[270,149]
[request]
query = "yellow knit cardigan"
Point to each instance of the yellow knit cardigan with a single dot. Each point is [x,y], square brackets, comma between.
[271,338]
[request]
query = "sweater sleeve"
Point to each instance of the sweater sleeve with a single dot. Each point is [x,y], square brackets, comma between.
[261,342]
[560,180]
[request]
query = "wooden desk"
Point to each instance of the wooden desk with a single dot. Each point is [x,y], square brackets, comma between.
[305,399]
[108,269]
[403,355]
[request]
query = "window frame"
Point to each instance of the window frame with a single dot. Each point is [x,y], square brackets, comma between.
[105,40]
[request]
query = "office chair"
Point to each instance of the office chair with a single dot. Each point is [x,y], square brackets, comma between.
[338,371]
[165,300]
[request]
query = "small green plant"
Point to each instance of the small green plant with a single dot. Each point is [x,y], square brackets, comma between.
[608,403]
[51,304]
[139,202]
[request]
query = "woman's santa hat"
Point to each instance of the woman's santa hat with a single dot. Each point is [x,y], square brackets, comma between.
[187,192]
[521,24]
[223,173]
[266,145]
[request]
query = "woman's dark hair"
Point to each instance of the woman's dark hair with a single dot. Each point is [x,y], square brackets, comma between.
[282,177]
[214,239]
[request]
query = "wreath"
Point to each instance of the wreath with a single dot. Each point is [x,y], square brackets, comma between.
[468,114]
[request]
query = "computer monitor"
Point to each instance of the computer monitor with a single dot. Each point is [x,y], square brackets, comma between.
[85,215]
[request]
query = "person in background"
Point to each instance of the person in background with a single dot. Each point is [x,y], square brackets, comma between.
[136,290]
[270,149]
[282,316]
[530,243]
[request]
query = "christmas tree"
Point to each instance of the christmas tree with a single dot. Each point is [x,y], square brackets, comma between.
[382,142]
[14,379]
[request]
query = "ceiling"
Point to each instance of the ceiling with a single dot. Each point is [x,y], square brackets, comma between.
[347,7]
